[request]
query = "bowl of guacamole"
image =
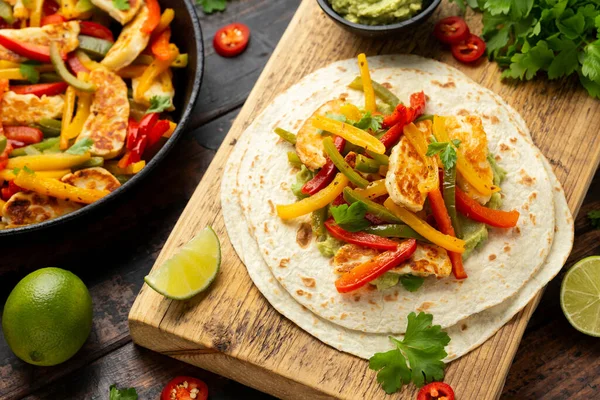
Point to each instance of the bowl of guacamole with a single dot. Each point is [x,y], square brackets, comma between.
[378,17]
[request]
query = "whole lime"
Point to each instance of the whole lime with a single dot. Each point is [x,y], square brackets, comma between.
[47,316]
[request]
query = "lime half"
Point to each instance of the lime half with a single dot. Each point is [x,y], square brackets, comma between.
[580,296]
[189,271]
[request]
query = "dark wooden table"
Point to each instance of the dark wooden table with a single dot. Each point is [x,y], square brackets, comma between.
[113,250]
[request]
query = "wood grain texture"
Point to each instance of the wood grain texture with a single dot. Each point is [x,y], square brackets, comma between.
[232,330]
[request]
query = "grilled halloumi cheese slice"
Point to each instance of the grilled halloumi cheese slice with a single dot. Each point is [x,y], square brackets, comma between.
[65,35]
[25,109]
[92,178]
[109,113]
[130,43]
[163,86]
[405,172]
[309,141]
[123,16]
[427,260]
[474,145]
[30,208]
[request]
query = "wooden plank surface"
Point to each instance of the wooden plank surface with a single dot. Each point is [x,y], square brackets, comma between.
[232,330]
[551,355]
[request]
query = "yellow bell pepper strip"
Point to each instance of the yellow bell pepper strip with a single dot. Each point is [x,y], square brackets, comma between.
[58,189]
[381,91]
[374,190]
[12,74]
[424,229]
[463,166]
[338,160]
[350,133]
[86,60]
[63,72]
[4,64]
[319,200]
[351,112]
[365,76]
[181,61]
[9,174]
[418,141]
[48,162]
[2,203]
[165,20]
[132,71]
[67,9]
[131,169]
[67,117]
[36,14]
[154,70]
[172,126]
[84,102]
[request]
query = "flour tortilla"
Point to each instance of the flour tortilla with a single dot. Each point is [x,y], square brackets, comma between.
[496,272]
[465,336]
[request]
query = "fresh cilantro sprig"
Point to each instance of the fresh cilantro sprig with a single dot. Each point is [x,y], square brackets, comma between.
[558,37]
[417,358]
[411,283]
[80,147]
[594,217]
[368,121]
[122,394]
[350,218]
[122,5]
[27,69]
[159,104]
[210,6]
[446,150]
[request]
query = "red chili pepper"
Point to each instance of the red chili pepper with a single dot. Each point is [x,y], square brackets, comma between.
[153,16]
[96,30]
[160,45]
[436,390]
[231,40]
[27,50]
[360,238]
[40,89]
[50,7]
[469,50]
[370,270]
[444,223]
[10,190]
[24,134]
[451,30]
[52,19]
[132,133]
[75,64]
[157,131]
[180,388]
[326,174]
[475,211]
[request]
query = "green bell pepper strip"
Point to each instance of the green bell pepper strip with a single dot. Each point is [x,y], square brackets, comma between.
[180,62]
[381,91]
[318,219]
[373,208]
[50,77]
[49,127]
[364,164]
[395,230]
[92,162]
[286,135]
[381,159]
[35,148]
[3,142]
[338,160]
[61,69]
[449,193]
[424,117]
[94,47]
[6,12]
[123,178]
[294,159]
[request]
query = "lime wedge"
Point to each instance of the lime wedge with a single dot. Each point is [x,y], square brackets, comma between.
[190,270]
[580,296]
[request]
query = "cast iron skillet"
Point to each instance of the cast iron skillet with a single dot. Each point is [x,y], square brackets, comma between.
[188,37]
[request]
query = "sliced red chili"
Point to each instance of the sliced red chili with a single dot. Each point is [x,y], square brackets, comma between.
[360,238]
[231,40]
[96,30]
[451,30]
[325,174]
[469,50]
[40,89]
[182,388]
[436,390]
[475,211]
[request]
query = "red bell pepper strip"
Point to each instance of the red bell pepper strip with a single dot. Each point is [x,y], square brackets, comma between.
[472,209]
[75,64]
[27,50]
[401,116]
[392,136]
[132,133]
[339,200]
[16,144]
[417,104]
[160,45]
[444,224]
[370,270]
[10,190]
[326,174]
[153,16]
[24,134]
[360,238]
[96,30]
[159,129]
[146,124]
[138,150]
[40,89]
[52,19]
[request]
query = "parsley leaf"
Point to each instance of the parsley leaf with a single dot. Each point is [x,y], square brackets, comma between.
[27,69]
[446,150]
[594,217]
[368,121]
[80,147]
[210,6]
[159,104]
[122,394]
[411,282]
[417,358]
[350,218]
[591,61]
[122,5]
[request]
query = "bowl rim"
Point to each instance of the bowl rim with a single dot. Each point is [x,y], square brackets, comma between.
[328,9]
[158,157]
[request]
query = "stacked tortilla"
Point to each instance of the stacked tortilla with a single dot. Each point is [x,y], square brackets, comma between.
[504,273]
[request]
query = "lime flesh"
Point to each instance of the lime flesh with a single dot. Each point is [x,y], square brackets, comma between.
[580,296]
[190,270]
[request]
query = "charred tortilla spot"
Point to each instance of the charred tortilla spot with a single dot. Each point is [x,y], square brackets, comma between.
[304,235]
[504,147]
[387,85]
[425,306]
[526,179]
[309,282]
[463,327]
[492,257]
[300,292]
[532,218]
[506,248]
[284,263]
[513,140]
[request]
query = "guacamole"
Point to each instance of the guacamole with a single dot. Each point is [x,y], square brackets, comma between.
[376,12]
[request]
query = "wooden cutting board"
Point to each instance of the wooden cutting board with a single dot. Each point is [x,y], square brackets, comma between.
[232,330]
